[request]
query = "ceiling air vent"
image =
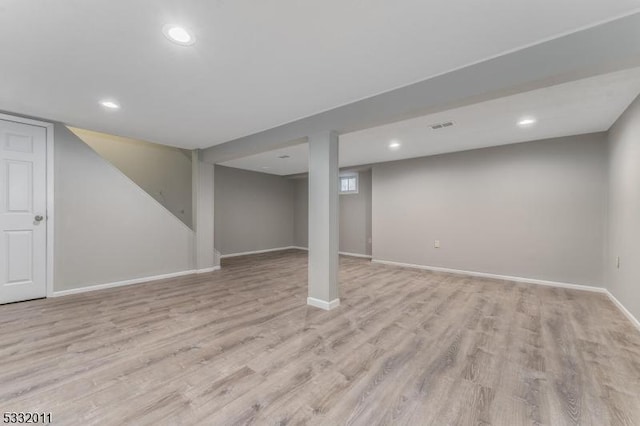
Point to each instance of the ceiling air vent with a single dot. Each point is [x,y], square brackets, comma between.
[443,125]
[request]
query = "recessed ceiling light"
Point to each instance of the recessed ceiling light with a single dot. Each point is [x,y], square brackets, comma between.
[178,35]
[526,122]
[110,104]
[394,145]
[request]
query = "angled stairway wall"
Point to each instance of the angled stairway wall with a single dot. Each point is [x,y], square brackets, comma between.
[164,172]
[108,229]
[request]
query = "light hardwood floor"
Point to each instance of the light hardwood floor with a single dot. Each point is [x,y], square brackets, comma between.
[240,346]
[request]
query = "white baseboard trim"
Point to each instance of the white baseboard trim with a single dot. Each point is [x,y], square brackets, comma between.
[494,276]
[611,297]
[364,256]
[247,253]
[327,306]
[343,253]
[624,310]
[205,270]
[129,282]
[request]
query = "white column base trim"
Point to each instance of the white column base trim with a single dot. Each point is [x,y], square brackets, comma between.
[247,253]
[141,280]
[494,276]
[624,310]
[327,306]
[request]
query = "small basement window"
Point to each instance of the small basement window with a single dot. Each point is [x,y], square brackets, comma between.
[349,184]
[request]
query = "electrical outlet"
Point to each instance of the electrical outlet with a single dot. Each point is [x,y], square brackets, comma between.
[436,244]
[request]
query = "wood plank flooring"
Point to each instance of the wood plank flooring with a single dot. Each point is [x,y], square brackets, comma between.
[239,346]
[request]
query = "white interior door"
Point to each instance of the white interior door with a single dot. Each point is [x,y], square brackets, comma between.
[23,201]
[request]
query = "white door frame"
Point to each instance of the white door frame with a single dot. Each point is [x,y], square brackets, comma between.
[50,190]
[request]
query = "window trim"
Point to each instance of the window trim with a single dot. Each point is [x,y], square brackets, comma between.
[349,176]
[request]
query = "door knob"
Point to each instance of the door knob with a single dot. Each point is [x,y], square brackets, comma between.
[39,218]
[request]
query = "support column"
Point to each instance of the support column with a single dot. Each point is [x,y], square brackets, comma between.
[323,221]
[202,178]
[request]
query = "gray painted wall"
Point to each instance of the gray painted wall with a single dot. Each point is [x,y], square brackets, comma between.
[534,210]
[253,211]
[624,209]
[355,216]
[301,213]
[163,171]
[107,229]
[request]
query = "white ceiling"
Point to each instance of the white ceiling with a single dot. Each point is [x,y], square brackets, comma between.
[582,106]
[256,64]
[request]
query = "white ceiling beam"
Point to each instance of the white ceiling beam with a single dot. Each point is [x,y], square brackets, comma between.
[609,47]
